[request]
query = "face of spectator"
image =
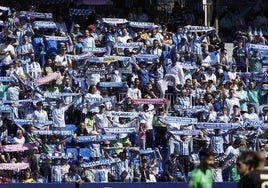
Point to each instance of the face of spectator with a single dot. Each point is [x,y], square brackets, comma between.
[234,68]
[94,89]
[239,43]
[242,168]
[136,82]
[208,162]
[251,85]
[87,33]
[183,92]
[58,104]
[82,125]
[250,109]
[211,71]
[231,93]
[27,175]
[25,39]
[179,29]
[153,33]
[224,111]
[32,57]
[156,43]
[19,134]
[149,87]
[124,32]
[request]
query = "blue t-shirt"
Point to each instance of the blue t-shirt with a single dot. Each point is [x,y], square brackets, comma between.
[144,77]
[240,55]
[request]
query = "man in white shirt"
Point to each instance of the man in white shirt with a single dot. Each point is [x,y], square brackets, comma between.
[174,69]
[210,75]
[101,120]
[250,115]
[148,114]
[58,114]
[231,101]
[40,114]
[7,51]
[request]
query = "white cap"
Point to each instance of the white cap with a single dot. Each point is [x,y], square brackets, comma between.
[143,121]
[220,71]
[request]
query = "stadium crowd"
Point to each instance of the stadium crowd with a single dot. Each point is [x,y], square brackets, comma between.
[129,99]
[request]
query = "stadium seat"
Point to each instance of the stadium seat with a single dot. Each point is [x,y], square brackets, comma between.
[85,152]
[73,151]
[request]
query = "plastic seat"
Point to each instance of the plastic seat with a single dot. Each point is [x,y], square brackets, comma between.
[85,153]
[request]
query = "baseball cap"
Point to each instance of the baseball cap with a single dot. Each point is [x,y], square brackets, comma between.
[91,27]
[220,71]
[76,25]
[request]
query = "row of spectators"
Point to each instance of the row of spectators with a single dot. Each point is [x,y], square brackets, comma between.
[191,64]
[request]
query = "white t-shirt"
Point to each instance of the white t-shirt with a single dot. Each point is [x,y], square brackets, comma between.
[211,77]
[58,115]
[40,115]
[252,116]
[19,140]
[230,102]
[61,60]
[6,58]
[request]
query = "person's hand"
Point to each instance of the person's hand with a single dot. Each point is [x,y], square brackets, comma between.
[171,178]
[181,178]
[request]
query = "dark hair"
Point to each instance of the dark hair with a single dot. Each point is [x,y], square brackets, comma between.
[247,157]
[206,152]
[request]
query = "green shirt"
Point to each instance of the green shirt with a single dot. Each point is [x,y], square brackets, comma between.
[242,94]
[200,179]
[253,64]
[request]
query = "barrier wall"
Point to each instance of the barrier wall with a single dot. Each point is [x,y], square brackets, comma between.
[112,185]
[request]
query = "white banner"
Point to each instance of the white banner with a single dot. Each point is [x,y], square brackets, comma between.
[217,125]
[128,45]
[146,57]
[36,14]
[14,166]
[56,38]
[190,28]
[93,138]
[186,132]
[114,21]
[82,56]
[44,24]
[149,101]
[180,120]
[53,132]
[256,124]
[5,109]
[258,47]
[117,130]
[122,114]
[6,79]
[59,95]
[142,25]
[80,12]
[96,71]
[95,50]
[36,122]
